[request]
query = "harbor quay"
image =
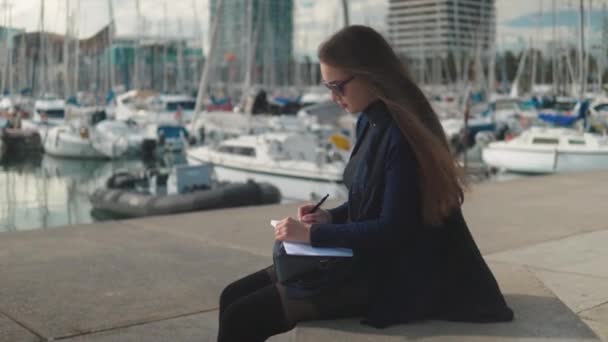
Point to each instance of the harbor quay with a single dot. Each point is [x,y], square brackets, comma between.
[159,278]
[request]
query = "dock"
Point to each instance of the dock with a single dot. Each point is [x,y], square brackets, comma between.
[159,278]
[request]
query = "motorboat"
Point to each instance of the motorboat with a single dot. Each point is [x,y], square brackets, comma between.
[549,150]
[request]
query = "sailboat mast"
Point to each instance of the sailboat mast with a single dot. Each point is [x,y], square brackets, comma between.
[77,48]
[136,67]
[179,87]
[165,41]
[581,50]
[10,52]
[554,50]
[111,34]
[66,56]
[602,66]
[42,51]
[4,59]
[250,52]
[202,87]
[197,32]
[345,12]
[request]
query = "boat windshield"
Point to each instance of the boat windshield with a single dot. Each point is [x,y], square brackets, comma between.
[506,105]
[53,113]
[545,141]
[184,105]
[238,150]
[565,105]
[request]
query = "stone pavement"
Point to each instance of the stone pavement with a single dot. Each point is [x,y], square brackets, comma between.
[158,278]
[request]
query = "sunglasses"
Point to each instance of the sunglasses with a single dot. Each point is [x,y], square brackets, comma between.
[337,87]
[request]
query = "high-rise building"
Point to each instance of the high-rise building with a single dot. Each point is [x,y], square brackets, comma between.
[270,27]
[426,28]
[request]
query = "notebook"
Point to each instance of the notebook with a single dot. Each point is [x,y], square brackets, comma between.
[293,248]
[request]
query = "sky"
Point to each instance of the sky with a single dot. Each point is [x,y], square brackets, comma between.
[518,21]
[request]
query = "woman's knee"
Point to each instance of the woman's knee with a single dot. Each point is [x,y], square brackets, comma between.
[254,317]
[244,286]
[230,293]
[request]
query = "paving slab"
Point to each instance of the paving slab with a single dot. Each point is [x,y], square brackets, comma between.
[539,316]
[579,292]
[600,329]
[69,282]
[11,331]
[247,229]
[597,319]
[523,212]
[196,328]
[584,254]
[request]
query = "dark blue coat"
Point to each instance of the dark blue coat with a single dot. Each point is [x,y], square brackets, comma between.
[416,271]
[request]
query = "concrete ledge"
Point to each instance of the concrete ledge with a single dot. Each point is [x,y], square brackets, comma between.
[540,316]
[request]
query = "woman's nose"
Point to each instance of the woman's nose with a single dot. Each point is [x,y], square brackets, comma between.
[334,97]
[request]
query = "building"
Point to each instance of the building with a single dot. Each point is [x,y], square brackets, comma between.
[271,30]
[438,26]
[169,64]
[441,34]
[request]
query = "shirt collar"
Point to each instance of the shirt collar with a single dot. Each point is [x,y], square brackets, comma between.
[377,113]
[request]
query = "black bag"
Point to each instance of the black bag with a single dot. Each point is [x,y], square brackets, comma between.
[307,271]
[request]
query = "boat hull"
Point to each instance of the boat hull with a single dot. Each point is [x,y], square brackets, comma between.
[544,160]
[63,143]
[293,185]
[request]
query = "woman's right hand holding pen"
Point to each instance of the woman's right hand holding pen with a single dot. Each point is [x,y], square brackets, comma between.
[319,216]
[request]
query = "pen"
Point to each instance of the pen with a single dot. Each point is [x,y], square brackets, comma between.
[319,204]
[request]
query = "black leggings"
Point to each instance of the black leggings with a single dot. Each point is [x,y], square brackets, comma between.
[255,307]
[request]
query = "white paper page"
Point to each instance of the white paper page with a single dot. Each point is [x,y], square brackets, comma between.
[293,248]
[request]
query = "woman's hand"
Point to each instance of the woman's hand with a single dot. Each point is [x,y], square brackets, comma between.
[292,230]
[319,216]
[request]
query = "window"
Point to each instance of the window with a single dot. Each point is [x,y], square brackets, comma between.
[184,105]
[245,151]
[602,108]
[226,149]
[576,142]
[505,105]
[545,141]
[238,150]
[53,113]
[564,106]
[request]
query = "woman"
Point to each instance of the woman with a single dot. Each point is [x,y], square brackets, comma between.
[414,256]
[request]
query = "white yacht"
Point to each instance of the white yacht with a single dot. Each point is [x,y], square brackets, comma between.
[291,161]
[549,150]
[108,131]
[48,111]
[80,139]
[153,108]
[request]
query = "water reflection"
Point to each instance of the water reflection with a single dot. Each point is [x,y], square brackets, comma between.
[47,191]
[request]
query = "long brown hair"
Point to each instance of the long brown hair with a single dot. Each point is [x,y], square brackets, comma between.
[364,53]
